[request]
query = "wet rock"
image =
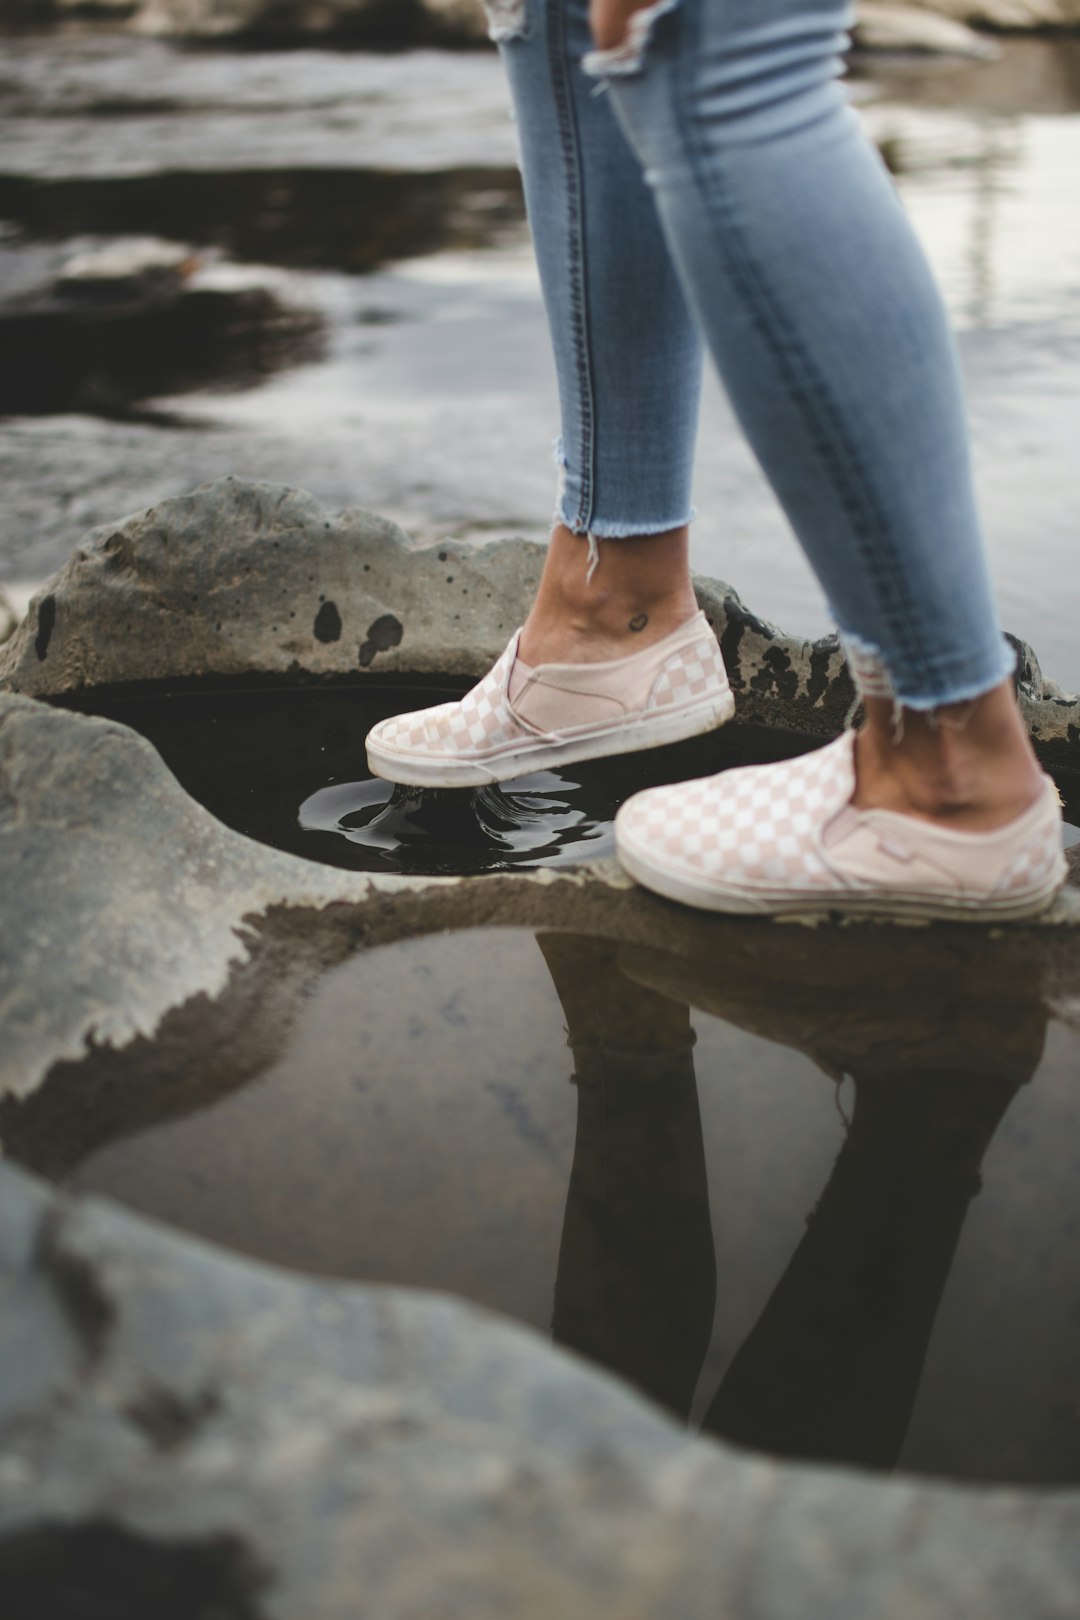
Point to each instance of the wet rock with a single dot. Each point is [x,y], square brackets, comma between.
[133,267]
[123,898]
[911,29]
[338,1440]
[237,578]
[125,322]
[126,901]
[240,579]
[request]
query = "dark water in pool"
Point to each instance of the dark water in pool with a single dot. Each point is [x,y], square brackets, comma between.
[818,1194]
[286,766]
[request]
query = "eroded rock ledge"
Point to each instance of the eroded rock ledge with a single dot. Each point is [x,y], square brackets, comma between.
[296,1449]
[238,580]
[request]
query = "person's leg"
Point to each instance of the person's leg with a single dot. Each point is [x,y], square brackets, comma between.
[628,409]
[831,339]
[616,596]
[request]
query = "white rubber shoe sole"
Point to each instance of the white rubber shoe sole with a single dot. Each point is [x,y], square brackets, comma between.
[690,890]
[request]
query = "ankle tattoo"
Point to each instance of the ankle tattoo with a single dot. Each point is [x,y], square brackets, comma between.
[639,621]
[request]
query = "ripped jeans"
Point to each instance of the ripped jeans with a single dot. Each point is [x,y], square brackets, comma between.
[708,181]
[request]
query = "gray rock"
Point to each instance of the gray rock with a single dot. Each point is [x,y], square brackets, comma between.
[8,618]
[241,579]
[123,897]
[292,1448]
[128,267]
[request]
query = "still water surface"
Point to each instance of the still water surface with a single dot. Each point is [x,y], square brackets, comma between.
[800,1205]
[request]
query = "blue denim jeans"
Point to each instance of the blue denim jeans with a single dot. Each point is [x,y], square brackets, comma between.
[708,181]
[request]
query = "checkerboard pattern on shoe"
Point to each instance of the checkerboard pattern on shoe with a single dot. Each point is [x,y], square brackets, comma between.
[480,721]
[691,673]
[756,823]
[1032,865]
[674,688]
[786,837]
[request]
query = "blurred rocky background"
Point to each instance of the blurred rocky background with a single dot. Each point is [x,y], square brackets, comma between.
[382,23]
[286,240]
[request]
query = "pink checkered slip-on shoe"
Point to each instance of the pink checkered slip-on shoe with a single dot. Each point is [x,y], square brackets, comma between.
[786,839]
[520,718]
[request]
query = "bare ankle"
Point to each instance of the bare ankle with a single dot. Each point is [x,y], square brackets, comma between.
[638,593]
[970,766]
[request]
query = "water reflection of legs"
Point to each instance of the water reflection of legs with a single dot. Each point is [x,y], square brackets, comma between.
[832,1367]
[636,1279]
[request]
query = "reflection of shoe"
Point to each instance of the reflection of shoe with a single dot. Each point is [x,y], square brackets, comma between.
[786,838]
[520,718]
[868,1007]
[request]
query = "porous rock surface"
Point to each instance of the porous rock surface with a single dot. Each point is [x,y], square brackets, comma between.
[185,1433]
[317,1452]
[241,579]
[122,896]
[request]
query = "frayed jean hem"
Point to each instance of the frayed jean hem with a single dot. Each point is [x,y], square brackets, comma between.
[873,680]
[612,530]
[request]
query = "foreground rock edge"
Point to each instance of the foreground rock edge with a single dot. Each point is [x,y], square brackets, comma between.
[346,1439]
[239,579]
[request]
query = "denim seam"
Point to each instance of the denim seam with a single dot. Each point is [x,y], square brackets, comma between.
[557,62]
[808,389]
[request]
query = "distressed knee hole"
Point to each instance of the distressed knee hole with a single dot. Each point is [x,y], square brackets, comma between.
[506,19]
[628,56]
